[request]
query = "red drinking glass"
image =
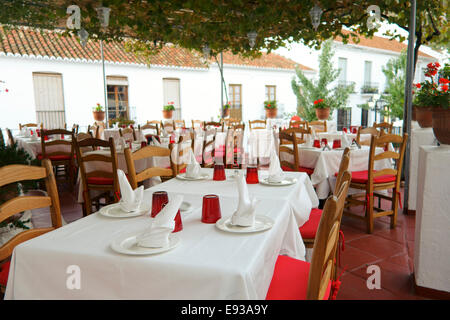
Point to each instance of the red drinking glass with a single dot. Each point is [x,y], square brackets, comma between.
[354,130]
[324,142]
[316,143]
[219,172]
[38,132]
[336,143]
[252,175]
[211,209]
[345,130]
[31,132]
[159,200]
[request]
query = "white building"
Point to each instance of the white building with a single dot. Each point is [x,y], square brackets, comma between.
[360,63]
[52,79]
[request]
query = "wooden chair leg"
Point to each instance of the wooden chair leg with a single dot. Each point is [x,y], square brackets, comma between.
[369,214]
[394,208]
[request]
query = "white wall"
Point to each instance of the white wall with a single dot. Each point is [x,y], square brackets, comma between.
[83,88]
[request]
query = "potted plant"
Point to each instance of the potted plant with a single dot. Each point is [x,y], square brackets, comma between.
[431,101]
[99,113]
[271,109]
[322,109]
[226,110]
[168,110]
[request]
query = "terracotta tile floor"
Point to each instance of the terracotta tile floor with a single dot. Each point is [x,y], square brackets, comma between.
[390,249]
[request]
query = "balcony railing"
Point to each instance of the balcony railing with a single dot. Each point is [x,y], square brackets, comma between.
[370,87]
[343,83]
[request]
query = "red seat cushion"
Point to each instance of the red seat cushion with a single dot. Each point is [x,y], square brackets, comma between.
[309,171]
[309,229]
[183,170]
[363,177]
[55,158]
[100,180]
[4,272]
[290,280]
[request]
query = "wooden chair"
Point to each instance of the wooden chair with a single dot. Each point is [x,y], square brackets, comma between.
[212,124]
[231,122]
[2,139]
[179,124]
[11,140]
[309,229]
[30,125]
[319,126]
[101,179]
[238,129]
[257,124]
[63,154]
[290,146]
[385,126]
[197,124]
[168,126]
[16,173]
[371,130]
[299,280]
[75,128]
[298,124]
[95,129]
[376,180]
[128,134]
[149,126]
[181,149]
[300,133]
[146,152]
[208,145]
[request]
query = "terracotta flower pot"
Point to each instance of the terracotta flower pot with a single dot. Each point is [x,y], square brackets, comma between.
[167,114]
[226,112]
[441,125]
[414,113]
[271,113]
[323,113]
[99,115]
[424,116]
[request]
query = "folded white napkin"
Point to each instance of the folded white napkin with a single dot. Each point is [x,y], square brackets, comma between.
[275,172]
[193,167]
[157,234]
[245,214]
[130,199]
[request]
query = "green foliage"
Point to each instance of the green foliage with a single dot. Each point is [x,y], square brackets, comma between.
[395,72]
[99,108]
[227,106]
[272,104]
[120,122]
[364,106]
[308,91]
[169,107]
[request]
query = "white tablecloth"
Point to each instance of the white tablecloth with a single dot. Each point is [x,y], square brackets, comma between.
[208,263]
[326,164]
[115,134]
[34,147]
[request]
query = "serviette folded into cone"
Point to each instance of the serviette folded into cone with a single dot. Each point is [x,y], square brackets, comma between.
[193,167]
[275,172]
[244,216]
[161,226]
[130,199]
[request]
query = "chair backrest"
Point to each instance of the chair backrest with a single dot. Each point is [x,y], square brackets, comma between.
[109,157]
[298,124]
[197,124]
[371,130]
[128,133]
[208,145]
[83,136]
[325,244]
[290,146]
[299,133]
[95,129]
[16,173]
[30,125]
[10,137]
[181,149]
[319,126]
[240,126]
[231,122]
[384,125]
[149,126]
[146,152]
[2,139]
[216,125]
[257,124]
[168,125]
[66,147]
[380,142]
[179,124]
[343,167]
[75,128]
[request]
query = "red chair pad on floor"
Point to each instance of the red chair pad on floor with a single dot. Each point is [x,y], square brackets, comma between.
[363,177]
[4,272]
[290,280]
[309,229]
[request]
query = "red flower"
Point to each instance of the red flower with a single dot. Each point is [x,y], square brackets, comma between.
[430,65]
[437,65]
[268,104]
[413,92]
[443,80]
[433,72]
[316,102]
[445,87]
[418,85]
[320,100]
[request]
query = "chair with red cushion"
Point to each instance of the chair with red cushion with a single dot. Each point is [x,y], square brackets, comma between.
[149,126]
[129,134]
[298,124]
[289,142]
[15,174]
[373,180]
[103,178]
[299,280]
[319,126]
[57,146]
[235,135]
[371,130]
[309,229]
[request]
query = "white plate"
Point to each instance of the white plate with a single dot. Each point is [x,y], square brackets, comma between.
[284,182]
[127,244]
[203,176]
[262,223]
[114,211]
[186,207]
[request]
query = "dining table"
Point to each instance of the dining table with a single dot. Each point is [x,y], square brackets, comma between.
[33,146]
[208,263]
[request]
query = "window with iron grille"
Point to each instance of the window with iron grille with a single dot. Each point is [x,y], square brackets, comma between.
[344,118]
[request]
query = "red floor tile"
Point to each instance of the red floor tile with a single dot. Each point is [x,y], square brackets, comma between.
[352,258]
[397,234]
[355,288]
[378,246]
